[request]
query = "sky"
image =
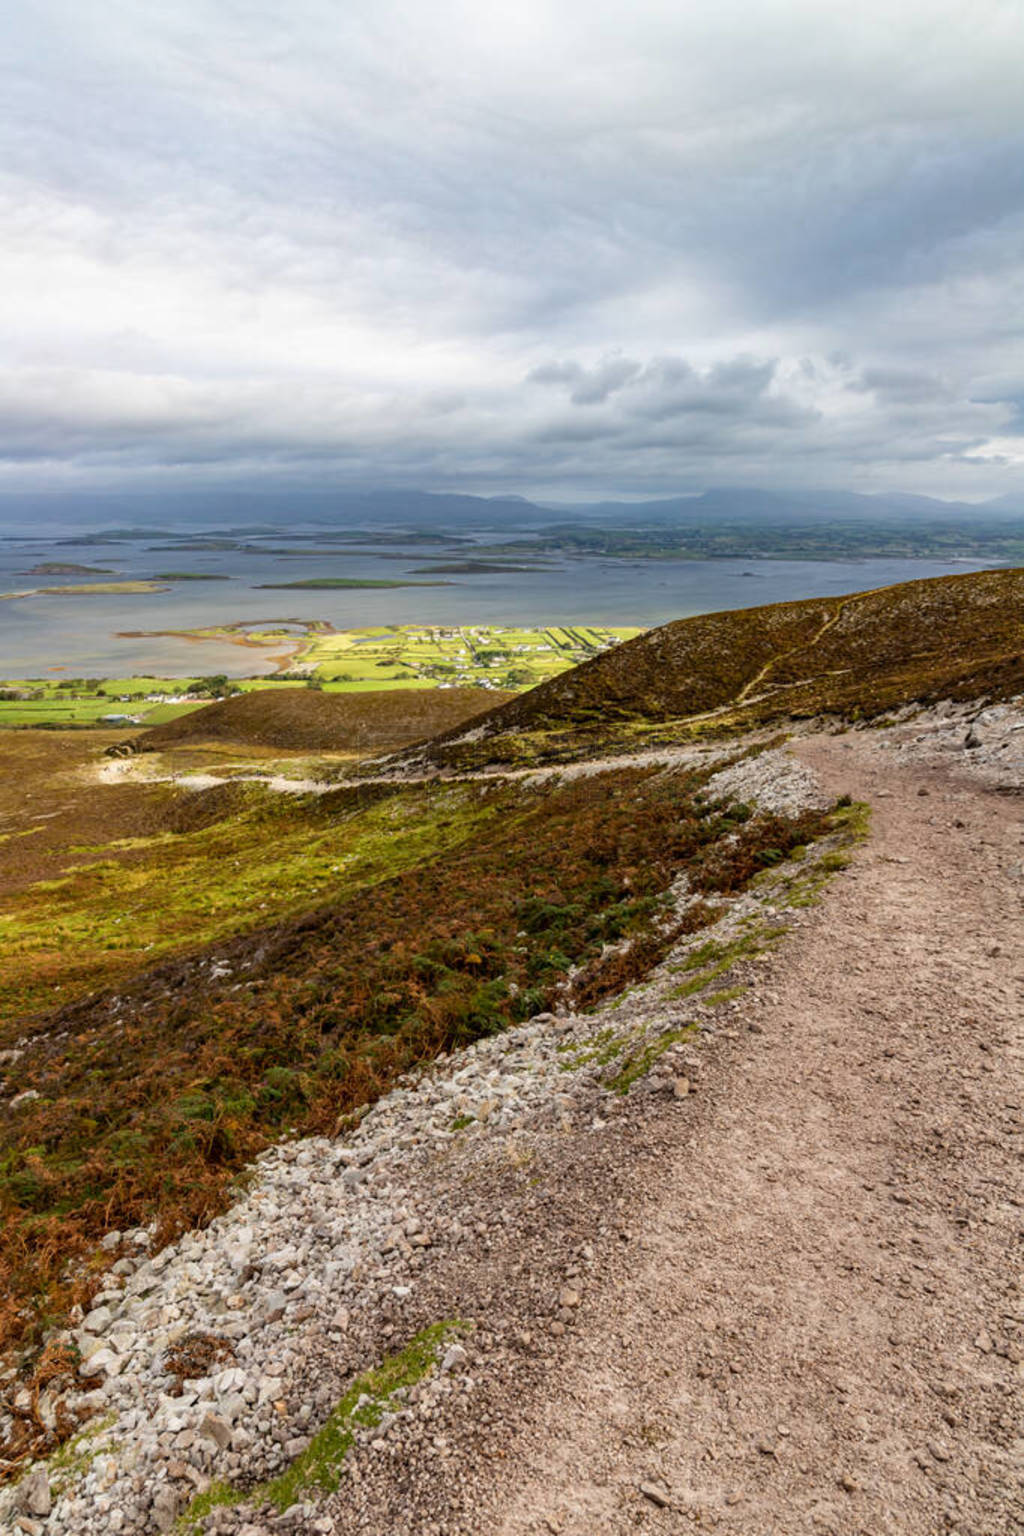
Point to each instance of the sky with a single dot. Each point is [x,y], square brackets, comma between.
[569,249]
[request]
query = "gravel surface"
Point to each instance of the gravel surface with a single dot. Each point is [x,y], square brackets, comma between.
[822,1327]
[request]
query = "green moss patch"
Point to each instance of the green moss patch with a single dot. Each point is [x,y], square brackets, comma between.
[318,1470]
[640,1061]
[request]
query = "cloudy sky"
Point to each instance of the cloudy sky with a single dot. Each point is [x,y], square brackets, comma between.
[560,247]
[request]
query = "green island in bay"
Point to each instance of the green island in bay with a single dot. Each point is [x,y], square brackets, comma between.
[336,583]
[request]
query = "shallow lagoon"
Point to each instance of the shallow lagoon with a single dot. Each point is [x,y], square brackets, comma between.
[79,634]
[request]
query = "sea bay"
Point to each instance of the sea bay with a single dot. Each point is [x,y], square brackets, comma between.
[80,634]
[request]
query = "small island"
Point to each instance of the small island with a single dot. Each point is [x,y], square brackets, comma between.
[90,589]
[333,583]
[68,568]
[479,568]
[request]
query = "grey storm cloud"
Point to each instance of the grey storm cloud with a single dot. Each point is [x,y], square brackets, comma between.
[565,249]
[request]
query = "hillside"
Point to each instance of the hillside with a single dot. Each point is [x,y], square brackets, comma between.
[333,1123]
[306,720]
[951,637]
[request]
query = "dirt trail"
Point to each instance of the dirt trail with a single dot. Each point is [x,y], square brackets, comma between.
[821,1326]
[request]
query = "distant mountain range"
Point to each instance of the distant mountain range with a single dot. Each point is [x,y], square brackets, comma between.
[741,504]
[260,509]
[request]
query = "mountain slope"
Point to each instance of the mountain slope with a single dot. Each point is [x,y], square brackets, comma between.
[247,966]
[304,720]
[955,636]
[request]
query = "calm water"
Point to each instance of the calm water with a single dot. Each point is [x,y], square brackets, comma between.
[79,634]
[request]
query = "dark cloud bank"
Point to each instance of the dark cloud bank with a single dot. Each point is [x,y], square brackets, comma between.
[573,251]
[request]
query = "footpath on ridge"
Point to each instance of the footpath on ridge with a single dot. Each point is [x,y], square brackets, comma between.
[816,1321]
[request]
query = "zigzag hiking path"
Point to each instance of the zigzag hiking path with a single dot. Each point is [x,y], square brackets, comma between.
[814,1322]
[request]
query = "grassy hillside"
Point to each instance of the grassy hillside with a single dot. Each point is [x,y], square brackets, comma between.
[305,720]
[174,1003]
[955,636]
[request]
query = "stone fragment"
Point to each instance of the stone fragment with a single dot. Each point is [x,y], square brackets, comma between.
[454,1356]
[35,1493]
[216,1429]
[230,1380]
[274,1305]
[165,1508]
[657,1494]
[106,1361]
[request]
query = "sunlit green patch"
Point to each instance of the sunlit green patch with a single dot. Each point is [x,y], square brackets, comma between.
[270,855]
[714,958]
[640,1063]
[219,1495]
[319,1467]
[727,995]
[853,817]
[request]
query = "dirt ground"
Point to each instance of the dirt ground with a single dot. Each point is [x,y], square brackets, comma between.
[821,1328]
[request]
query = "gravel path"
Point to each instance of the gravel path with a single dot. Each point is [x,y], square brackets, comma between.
[821,1326]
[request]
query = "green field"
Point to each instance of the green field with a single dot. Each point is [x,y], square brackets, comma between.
[349,661]
[467,655]
[85,701]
